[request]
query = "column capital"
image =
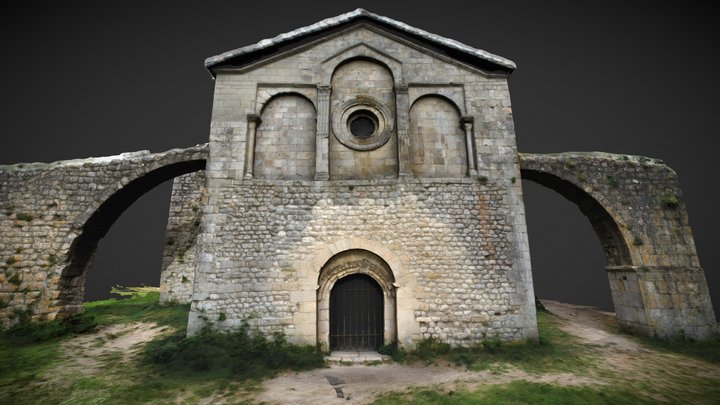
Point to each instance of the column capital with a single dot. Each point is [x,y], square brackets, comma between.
[467,119]
[252,117]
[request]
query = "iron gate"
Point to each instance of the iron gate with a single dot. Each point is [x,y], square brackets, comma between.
[356,314]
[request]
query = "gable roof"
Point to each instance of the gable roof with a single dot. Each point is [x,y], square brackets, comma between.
[267,47]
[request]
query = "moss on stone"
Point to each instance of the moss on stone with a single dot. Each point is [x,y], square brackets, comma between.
[23,216]
[670,200]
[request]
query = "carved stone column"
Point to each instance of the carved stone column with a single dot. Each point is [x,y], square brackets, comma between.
[253,120]
[321,140]
[467,123]
[403,130]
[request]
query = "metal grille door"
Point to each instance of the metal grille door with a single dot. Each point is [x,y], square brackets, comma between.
[356,314]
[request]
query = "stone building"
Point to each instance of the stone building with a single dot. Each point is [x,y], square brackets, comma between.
[360,190]
[360,186]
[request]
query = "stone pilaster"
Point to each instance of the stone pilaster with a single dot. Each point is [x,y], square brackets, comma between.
[403,130]
[323,124]
[468,123]
[253,120]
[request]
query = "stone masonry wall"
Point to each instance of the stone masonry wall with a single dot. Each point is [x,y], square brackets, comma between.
[48,209]
[178,267]
[453,269]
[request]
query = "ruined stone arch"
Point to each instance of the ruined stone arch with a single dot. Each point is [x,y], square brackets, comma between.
[96,220]
[651,260]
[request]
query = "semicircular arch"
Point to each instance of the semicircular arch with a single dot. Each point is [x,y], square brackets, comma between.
[96,221]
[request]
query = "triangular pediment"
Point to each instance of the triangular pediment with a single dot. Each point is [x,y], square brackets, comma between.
[270,47]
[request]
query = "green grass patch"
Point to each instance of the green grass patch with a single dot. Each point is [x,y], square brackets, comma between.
[24,368]
[141,305]
[555,351]
[707,350]
[240,354]
[25,330]
[21,365]
[520,392]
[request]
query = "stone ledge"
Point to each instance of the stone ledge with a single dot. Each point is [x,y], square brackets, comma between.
[356,357]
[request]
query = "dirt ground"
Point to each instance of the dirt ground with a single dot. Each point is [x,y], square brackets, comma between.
[623,361]
[93,354]
[362,383]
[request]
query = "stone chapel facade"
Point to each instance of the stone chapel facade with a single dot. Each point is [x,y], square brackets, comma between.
[363,153]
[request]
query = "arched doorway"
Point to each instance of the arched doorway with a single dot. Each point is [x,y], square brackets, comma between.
[356,302]
[356,314]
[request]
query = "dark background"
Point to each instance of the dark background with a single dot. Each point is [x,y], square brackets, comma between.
[95,79]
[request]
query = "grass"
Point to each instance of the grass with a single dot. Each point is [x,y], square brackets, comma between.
[520,392]
[141,305]
[21,365]
[25,331]
[555,351]
[168,370]
[27,349]
[708,350]
[240,355]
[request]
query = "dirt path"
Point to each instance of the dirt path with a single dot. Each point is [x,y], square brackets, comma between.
[89,354]
[362,383]
[623,361]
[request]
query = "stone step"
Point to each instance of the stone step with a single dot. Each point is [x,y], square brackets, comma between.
[356,357]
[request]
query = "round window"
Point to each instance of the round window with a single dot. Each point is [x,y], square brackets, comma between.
[363,124]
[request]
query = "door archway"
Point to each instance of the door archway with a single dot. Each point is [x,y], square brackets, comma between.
[356,302]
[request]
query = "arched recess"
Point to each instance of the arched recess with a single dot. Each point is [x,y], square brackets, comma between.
[437,139]
[96,224]
[360,51]
[362,87]
[350,262]
[615,247]
[285,139]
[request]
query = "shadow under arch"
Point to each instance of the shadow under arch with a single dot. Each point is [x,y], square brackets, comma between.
[82,250]
[615,247]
